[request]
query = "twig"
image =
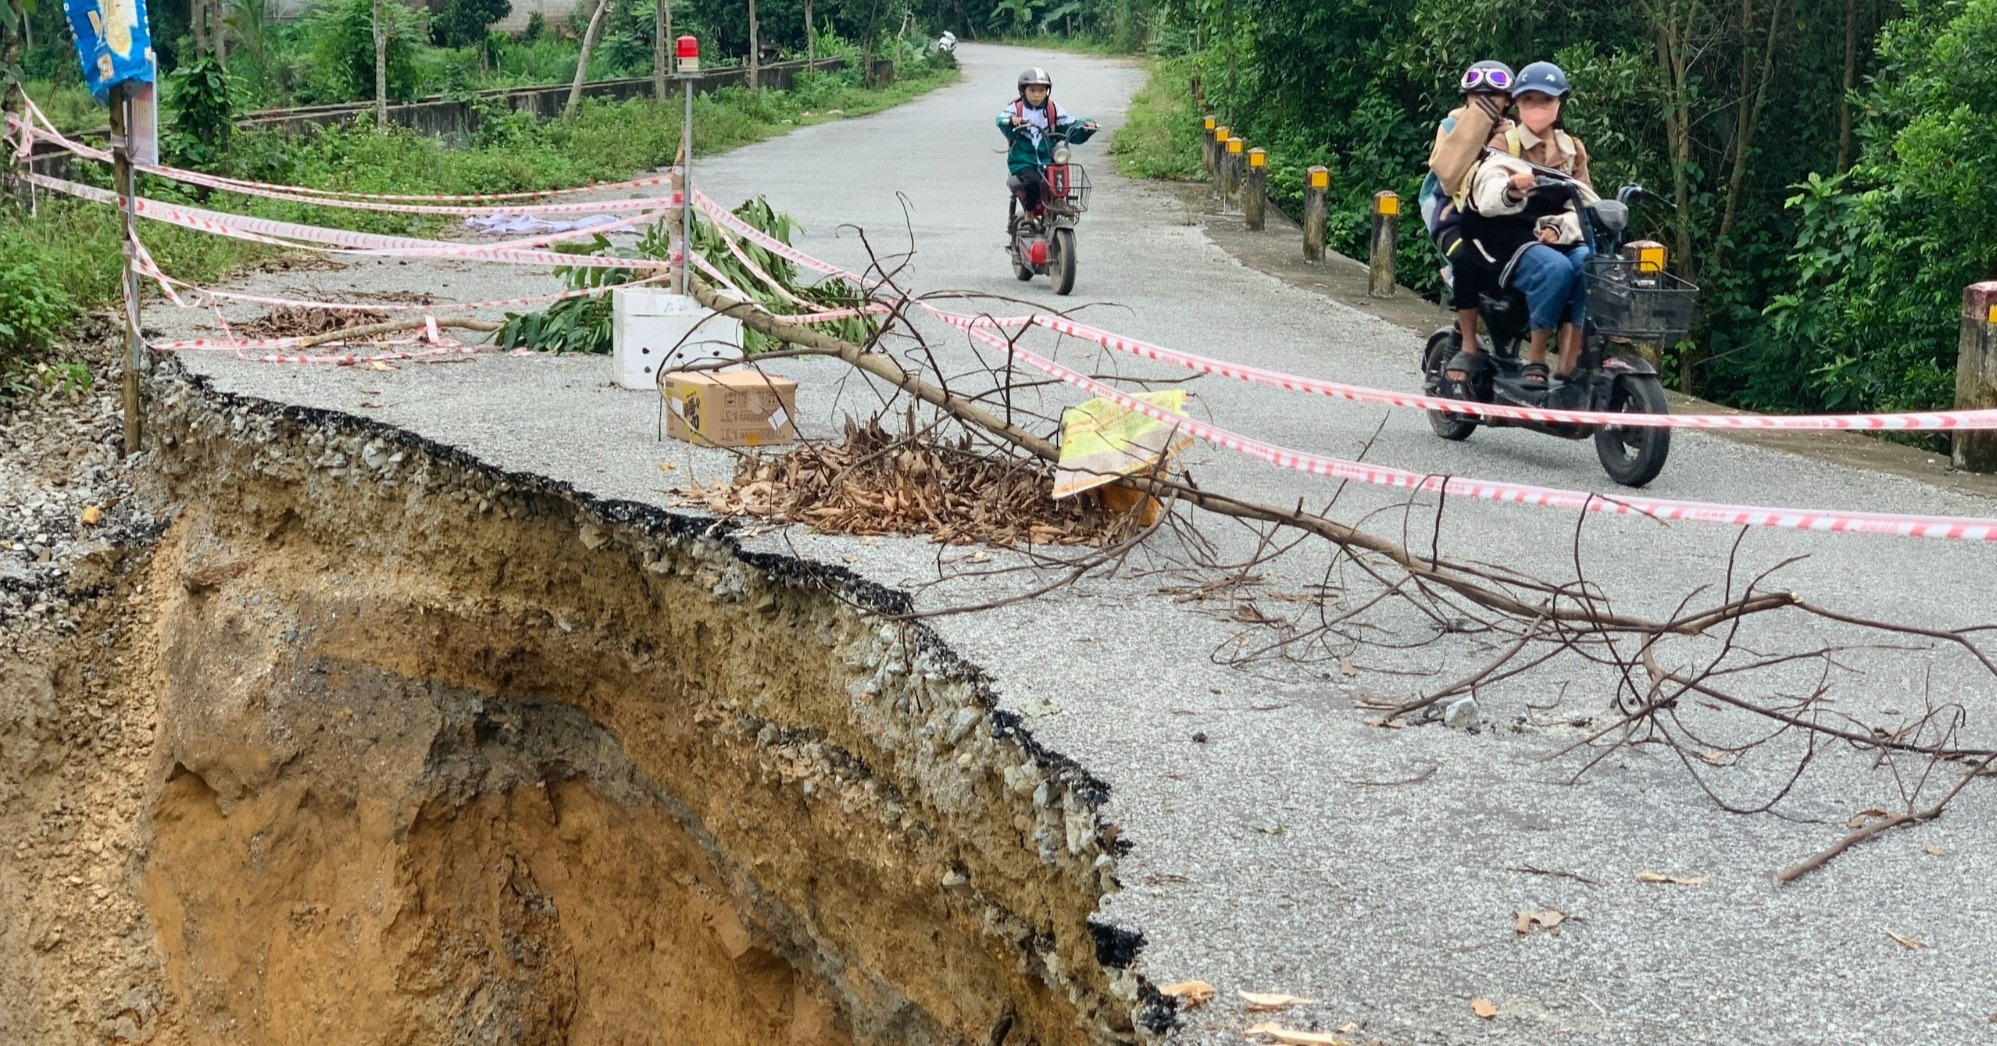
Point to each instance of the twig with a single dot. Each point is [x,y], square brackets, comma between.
[1810,864]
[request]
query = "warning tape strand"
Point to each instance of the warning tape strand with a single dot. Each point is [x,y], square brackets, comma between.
[1941,527]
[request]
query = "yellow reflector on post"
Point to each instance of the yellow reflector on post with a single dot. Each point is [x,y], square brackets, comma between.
[1220,134]
[1320,178]
[1210,124]
[1234,145]
[1258,157]
[1386,204]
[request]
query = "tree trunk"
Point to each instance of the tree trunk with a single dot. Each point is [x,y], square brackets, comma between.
[582,62]
[221,33]
[380,66]
[964,24]
[10,57]
[1754,94]
[1673,25]
[1850,83]
[867,48]
[660,21]
[755,52]
[810,39]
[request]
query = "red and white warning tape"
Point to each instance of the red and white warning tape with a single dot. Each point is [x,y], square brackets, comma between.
[26,133]
[1943,527]
[649,203]
[342,241]
[1939,420]
[724,216]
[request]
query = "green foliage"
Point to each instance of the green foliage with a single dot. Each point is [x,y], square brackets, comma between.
[341,38]
[1883,252]
[575,324]
[1161,133]
[1822,289]
[68,254]
[205,101]
[583,324]
[34,307]
[460,23]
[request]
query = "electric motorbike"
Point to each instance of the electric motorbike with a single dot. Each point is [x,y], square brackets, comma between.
[1630,300]
[1042,241]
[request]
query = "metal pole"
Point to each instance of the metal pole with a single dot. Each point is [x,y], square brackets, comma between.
[686,192]
[121,173]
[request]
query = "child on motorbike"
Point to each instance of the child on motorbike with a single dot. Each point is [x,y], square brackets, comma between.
[1528,241]
[1027,123]
[1459,140]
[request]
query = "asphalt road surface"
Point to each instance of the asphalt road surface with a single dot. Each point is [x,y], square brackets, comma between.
[1297,848]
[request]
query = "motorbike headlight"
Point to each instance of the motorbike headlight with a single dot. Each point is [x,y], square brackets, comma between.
[1061,153]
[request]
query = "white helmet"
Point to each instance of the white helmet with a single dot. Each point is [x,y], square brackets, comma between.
[1035,75]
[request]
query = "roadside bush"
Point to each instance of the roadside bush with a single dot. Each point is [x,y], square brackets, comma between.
[341,38]
[34,307]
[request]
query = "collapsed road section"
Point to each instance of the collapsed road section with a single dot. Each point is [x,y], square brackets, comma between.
[449,754]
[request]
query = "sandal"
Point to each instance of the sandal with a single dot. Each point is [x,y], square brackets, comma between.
[1463,366]
[1534,376]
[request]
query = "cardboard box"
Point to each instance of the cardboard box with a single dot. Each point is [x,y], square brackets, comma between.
[734,408]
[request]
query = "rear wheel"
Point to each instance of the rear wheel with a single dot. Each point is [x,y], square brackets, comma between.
[1634,456]
[1061,260]
[1435,357]
[1016,250]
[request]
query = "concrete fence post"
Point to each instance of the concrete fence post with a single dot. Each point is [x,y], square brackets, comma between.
[1220,136]
[1976,375]
[1255,194]
[1207,145]
[1231,194]
[1317,186]
[1386,243]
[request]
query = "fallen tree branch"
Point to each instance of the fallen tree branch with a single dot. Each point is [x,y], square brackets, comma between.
[393,326]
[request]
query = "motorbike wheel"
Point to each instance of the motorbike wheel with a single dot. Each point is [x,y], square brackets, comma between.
[1453,427]
[1634,456]
[1016,250]
[1061,260]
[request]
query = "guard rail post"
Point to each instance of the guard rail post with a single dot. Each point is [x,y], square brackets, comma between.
[1220,136]
[1976,376]
[1386,243]
[1255,195]
[1317,186]
[1231,195]
[1207,146]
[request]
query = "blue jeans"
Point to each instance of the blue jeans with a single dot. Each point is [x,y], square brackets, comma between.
[1552,281]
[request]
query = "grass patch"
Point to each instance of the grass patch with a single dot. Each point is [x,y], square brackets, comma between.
[1161,136]
[73,246]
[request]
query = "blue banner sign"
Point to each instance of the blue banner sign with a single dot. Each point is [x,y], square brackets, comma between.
[113,41]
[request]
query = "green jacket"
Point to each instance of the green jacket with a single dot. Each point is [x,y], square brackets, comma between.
[1030,145]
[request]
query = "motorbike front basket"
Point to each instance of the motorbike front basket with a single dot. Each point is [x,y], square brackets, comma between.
[1628,301]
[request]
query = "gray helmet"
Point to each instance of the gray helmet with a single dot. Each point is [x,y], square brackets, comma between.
[1542,78]
[1487,77]
[1035,75]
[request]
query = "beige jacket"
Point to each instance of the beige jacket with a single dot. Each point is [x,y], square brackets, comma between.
[1456,149]
[1489,194]
[1556,149]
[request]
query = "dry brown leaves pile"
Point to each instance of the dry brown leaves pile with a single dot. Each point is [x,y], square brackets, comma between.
[291,321]
[876,482]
